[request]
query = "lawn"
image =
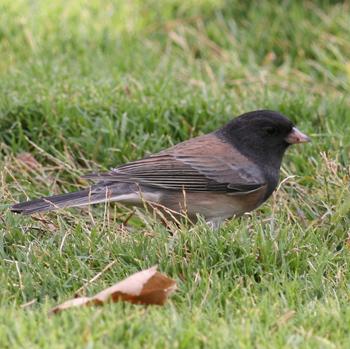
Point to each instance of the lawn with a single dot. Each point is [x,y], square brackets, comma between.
[87,85]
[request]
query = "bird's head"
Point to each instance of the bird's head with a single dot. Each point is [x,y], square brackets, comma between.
[263,135]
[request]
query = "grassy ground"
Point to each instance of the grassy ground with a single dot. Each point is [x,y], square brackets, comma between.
[88,85]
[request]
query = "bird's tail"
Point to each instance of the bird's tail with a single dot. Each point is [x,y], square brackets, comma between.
[93,195]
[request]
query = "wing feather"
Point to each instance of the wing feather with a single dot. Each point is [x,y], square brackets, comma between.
[192,166]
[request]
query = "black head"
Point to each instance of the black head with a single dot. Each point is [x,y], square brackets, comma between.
[262,135]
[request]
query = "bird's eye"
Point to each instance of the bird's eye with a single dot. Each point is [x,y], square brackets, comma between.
[270,130]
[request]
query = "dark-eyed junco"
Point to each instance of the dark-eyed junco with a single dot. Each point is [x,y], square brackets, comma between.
[219,175]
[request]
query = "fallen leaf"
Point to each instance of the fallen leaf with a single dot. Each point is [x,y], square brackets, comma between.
[145,287]
[28,160]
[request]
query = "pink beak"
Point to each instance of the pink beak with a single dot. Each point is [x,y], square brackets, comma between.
[295,136]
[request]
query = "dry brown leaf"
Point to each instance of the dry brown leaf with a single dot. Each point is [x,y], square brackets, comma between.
[28,160]
[145,287]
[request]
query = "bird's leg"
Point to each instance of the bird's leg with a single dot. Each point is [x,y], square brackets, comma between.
[215,223]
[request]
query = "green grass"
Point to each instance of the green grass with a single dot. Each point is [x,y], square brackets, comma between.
[85,86]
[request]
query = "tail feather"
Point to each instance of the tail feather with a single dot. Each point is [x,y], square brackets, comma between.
[90,196]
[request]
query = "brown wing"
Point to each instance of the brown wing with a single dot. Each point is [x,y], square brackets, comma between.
[194,165]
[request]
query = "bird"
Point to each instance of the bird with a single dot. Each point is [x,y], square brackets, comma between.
[219,175]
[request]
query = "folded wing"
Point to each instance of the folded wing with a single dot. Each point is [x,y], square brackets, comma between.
[203,164]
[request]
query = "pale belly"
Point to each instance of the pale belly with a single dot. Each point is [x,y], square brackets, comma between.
[212,205]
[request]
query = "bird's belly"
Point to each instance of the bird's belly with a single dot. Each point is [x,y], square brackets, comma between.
[212,205]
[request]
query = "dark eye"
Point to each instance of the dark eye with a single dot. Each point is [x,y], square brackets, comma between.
[270,130]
